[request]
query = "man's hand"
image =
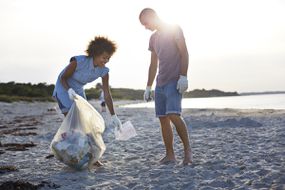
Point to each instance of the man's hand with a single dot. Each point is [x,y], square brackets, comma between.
[182,84]
[71,94]
[116,122]
[147,94]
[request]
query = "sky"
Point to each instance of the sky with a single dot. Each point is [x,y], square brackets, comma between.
[233,45]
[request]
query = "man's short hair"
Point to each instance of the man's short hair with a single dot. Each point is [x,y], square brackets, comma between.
[147,11]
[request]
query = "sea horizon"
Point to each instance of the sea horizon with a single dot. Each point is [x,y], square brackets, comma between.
[255,101]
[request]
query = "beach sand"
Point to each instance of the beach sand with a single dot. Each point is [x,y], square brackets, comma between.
[232,149]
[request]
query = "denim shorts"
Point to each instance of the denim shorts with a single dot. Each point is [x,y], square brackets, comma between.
[167,100]
[63,108]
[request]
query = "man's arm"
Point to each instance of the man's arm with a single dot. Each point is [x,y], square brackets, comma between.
[152,69]
[184,56]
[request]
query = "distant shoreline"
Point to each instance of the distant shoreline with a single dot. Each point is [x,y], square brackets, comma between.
[261,93]
[13,92]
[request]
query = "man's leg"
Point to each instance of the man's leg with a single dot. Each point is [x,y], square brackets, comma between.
[182,131]
[167,135]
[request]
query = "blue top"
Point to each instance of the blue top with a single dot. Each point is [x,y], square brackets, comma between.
[84,73]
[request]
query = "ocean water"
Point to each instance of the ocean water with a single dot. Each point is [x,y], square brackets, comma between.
[265,101]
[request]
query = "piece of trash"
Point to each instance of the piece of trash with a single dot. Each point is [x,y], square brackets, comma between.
[126,132]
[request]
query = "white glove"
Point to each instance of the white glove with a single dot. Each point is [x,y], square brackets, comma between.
[71,94]
[147,94]
[116,122]
[182,84]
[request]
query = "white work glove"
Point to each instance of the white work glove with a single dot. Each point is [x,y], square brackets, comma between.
[116,122]
[71,93]
[182,84]
[147,94]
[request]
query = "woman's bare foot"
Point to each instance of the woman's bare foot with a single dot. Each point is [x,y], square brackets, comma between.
[98,164]
[188,158]
[167,160]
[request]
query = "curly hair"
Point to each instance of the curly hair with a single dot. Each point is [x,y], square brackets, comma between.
[100,45]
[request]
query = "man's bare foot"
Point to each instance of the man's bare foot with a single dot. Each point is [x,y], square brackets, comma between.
[167,160]
[98,164]
[187,159]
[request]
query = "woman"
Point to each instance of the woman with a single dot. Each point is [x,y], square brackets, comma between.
[83,69]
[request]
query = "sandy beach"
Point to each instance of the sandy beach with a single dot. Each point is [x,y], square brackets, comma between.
[232,149]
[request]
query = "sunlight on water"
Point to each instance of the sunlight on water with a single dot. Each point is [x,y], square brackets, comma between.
[272,101]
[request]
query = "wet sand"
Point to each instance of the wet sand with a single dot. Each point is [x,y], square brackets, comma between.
[232,149]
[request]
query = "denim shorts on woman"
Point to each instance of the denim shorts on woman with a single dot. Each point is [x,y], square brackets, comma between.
[64,109]
[167,100]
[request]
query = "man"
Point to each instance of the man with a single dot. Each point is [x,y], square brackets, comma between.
[169,51]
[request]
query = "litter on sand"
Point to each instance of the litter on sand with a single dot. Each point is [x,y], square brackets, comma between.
[126,132]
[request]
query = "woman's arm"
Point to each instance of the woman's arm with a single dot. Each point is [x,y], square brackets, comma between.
[107,94]
[68,73]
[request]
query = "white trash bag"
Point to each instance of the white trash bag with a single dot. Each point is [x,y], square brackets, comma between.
[78,142]
[126,132]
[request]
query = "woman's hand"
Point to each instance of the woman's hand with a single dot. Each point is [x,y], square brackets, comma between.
[71,94]
[116,122]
